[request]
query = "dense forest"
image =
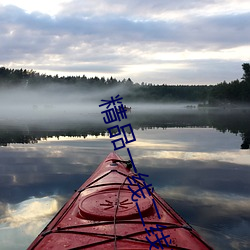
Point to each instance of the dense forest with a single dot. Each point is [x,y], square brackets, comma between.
[234,92]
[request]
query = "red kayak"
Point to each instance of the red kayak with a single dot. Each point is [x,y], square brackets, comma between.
[116,209]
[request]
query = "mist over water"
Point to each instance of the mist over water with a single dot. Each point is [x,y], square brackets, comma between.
[61,102]
[55,102]
[60,107]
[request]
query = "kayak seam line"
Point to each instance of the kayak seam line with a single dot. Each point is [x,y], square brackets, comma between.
[77,232]
[119,237]
[119,222]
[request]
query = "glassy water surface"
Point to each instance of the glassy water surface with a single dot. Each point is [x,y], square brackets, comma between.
[197,160]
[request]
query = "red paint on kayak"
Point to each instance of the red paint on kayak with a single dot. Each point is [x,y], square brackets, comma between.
[87,220]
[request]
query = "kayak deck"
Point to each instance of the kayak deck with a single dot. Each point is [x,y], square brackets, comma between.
[101,214]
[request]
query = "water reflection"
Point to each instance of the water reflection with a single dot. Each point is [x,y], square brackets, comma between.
[20,222]
[29,210]
[195,167]
[233,121]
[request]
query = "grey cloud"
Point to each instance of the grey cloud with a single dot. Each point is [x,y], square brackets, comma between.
[220,31]
[130,7]
[84,68]
[217,31]
[209,71]
[98,40]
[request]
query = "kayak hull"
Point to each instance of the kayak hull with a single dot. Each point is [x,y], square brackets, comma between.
[102,214]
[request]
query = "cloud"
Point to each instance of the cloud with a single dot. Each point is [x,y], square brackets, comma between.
[91,37]
[149,9]
[115,30]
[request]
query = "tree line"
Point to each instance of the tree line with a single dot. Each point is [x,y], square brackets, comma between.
[236,91]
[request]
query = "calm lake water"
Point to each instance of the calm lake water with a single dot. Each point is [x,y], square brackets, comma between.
[194,159]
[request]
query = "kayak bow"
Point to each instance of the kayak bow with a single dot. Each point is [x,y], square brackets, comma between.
[102,215]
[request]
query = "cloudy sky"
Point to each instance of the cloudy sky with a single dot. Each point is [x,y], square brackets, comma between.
[157,41]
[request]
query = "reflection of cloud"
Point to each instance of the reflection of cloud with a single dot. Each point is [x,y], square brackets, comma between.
[150,144]
[25,220]
[230,157]
[229,203]
[220,240]
[22,222]
[199,144]
[29,212]
[2,209]
[222,219]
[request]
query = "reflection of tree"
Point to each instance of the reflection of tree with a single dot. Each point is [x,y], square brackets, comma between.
[20,135]
[246,141]
[231,121]
[16,137]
